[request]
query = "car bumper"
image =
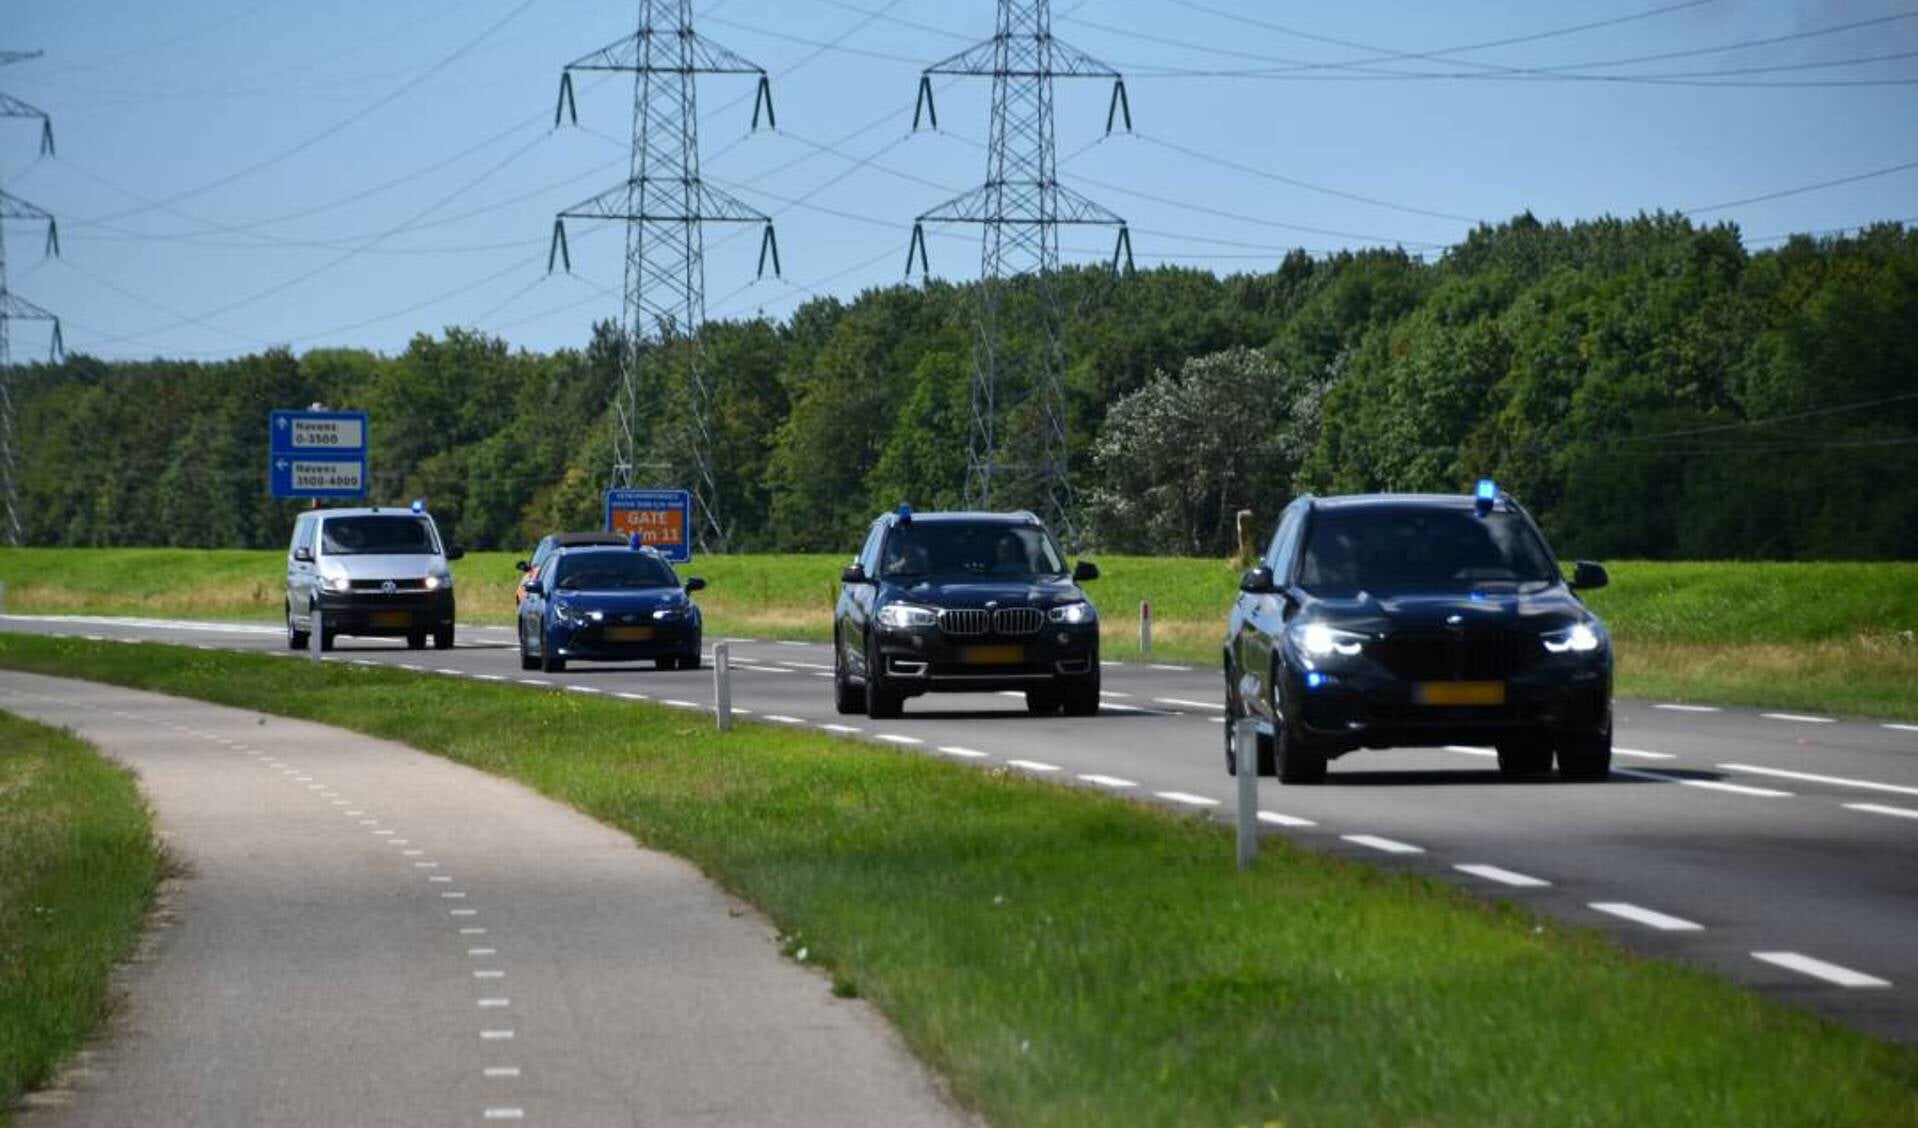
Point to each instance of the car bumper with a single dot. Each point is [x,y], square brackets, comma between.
[590,643]
[1369,708]
[378,614]
[922,661]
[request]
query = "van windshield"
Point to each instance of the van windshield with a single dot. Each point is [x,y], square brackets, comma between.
[371,536]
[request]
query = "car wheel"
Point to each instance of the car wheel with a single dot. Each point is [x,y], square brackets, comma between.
[1586,757]
[845,699]
[549,661]
[665,663]
[296,639]
[416,640]
[326,640]
[443,638]
[691,661]
[1524,759]
[1293,759]
[1043,702]
[1082,700]
[526,659]
[881,703]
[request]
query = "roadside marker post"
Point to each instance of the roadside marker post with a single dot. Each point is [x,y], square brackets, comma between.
[723,684]
[315,640]
[1245,740]
[1145,628]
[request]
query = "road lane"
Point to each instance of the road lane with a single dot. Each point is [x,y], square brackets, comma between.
[1813,867]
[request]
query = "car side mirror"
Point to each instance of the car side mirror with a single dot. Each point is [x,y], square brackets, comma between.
[694,583]
[1589,576]
[303,555]
[454,552]
[1085,570]
[1257,581]
[854,574]
[523,566]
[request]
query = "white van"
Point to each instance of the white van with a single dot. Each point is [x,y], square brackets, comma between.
[380,572]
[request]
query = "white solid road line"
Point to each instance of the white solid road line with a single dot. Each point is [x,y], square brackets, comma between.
[1187,798]
[1109,781]
[1690,708]
[1033,765]
[1707,784]
[1881,809]
[1384,845]
[1276,819]
[1810,777]
[1504,876]
[1799,718]
[1819,969]
[1647,917]
[1189,703]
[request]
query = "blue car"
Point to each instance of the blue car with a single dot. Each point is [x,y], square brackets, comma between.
[609,604]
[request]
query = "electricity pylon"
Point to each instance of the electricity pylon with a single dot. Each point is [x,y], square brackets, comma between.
[1021,205]
[15,308]
[665,206]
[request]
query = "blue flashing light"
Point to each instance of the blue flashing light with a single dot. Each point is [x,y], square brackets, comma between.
[633,542]
[419,505]
[1485,495]
[1316,680]
[905,513]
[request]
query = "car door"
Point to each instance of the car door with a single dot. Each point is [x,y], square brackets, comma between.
[532,612]
[856,604]
[300,573]
[1264,616]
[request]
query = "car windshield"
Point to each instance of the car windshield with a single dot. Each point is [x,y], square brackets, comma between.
[368,536]
[954,548]
[605,571]
[1410,548]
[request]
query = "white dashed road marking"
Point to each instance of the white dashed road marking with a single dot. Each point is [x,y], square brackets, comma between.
[1799,718]
[783,719]
[1187,798]
[1108,781]
[1690,708]
[1386,845]
[501,1071]
[895,738]
[1707,784]
[962,753]
[1647,917]
[1274,818]
[1903,728]
[1809,777]
[1819,969]
[843,730]
[1503,876]
[1033,765]
[1189,704]
[1881,809]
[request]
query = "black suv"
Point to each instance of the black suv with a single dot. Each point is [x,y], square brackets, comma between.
[964,602]
[1390,620]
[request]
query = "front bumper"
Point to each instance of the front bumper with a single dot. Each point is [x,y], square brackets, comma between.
[926,660]
[391,616]
[1367,707]
[590,642]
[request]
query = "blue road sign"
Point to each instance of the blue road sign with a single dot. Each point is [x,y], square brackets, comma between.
[662,518]
[317,454]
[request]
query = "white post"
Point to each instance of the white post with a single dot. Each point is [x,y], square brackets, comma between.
[3,599]
[1145,628]
[723,684]
[317,639]
[1245,742]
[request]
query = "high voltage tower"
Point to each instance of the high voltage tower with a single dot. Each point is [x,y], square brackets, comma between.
[665,206]
[15,308]
[1021,205]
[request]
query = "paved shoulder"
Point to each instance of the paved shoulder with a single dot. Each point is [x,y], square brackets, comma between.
[370,935]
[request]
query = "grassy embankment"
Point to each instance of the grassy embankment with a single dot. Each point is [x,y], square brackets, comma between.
[78,865]
[1832,637]
[1068,958]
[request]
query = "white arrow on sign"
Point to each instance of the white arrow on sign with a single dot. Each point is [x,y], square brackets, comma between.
[281,464]
[283,423]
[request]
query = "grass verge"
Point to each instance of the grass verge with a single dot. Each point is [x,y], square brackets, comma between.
[78,866]
[1065,958]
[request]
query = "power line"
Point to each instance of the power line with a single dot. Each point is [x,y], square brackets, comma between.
[1748,423]
[1802,189]
[1279,178]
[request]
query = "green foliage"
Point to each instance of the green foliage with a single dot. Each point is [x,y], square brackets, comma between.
[1647,387]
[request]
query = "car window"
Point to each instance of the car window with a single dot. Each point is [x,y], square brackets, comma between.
[606,571]
[953,548]
[1279,556]
[366,536]
[1385,549]
[541,552]
[869,552]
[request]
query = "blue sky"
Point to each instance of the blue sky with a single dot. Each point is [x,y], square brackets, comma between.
[234,174]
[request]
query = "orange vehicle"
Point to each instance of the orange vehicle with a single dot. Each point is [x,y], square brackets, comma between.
[529,569]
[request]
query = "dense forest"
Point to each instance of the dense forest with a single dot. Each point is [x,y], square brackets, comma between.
[1648,387]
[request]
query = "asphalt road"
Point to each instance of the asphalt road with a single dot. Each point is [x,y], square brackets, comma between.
[369,935]
[1779,850]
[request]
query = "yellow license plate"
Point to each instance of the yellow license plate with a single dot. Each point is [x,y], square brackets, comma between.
[392,618]
[992,655]
[1459,693]
[628,634]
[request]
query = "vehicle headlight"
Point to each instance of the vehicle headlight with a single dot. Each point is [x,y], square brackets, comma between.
[1073,613]
[907,615]
[439,580]
[668,614]
[567,613]
[338,583]
[1321,641]
[1579,638]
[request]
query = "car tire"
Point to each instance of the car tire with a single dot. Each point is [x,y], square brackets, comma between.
[548,661]
[881,703]
[416,640]
[443,638]
[1586,758]
[665,663]
[1081,700]
[1524,759]
[1293,759]
[296,639]
[1043,702]
[326,640]
[848,701]
[691,661]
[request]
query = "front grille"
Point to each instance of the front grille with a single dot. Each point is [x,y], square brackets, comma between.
[1461,655]
[1018,620]
[380,585]
[956,621]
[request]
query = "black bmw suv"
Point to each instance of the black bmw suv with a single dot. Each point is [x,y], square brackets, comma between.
[964,602]
[1389,620]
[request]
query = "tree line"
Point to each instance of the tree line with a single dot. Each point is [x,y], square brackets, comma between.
[1648,387]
